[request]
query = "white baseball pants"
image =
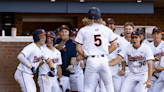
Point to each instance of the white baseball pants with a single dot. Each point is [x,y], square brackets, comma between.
[25,81]
[94,65]
[134,80]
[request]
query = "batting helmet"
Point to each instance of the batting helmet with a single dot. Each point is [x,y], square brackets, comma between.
[51,34]
[37,33]
[94,13]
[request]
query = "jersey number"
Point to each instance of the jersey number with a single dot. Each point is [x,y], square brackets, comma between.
[142,63]
[97,38]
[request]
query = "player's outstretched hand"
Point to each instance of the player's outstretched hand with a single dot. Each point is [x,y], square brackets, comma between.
[79,57]
[121,72]
[148,84]
[34,70]
[51,73]
[69,68]
[158,68]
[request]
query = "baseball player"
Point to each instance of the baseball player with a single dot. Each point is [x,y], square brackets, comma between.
[142,32]
[140,59]
[76,74]
[128,29]
[95,38]
[46,83]
[68,52]
[158,85]
[156,47]
[162,35]
[30,58]
[117,80]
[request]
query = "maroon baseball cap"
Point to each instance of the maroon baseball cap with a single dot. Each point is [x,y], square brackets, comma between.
[157,29]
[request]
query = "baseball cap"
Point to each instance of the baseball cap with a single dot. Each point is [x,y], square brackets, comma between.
[141,30]
[57,31]
[162,32]
[64,27]
[94,13]
[110,20]
[73,32]
[122,34]
[135,34]
[157,29]
[76,29]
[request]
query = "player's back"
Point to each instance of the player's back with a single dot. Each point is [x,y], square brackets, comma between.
[96,38]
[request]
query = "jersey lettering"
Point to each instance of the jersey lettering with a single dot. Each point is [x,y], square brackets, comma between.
[135,58]
[55,60]
[37,59]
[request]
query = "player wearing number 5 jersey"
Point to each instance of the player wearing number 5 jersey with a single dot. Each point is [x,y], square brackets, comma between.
[140,59]
[95,38]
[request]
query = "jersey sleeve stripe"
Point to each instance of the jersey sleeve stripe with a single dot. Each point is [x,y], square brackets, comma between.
[113,40]
[78,42]
[151,59]
[120,55]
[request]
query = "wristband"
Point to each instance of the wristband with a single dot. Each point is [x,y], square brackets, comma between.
[123,69]
[72,64]
[149,79]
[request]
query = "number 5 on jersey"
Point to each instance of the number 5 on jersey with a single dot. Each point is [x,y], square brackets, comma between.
[97,40]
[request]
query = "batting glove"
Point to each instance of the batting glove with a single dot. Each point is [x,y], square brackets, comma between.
[61,83]
[51,73]
[33,69]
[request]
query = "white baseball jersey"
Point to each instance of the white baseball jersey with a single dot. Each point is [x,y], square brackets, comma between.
[156,50]
[34,56]
[55,56]
[137,58]
[98,37]
[120,45]
[76,66]
[162,57]
[146,42]
[126,42]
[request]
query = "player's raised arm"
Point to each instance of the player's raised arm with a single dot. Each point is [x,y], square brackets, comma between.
[64,38]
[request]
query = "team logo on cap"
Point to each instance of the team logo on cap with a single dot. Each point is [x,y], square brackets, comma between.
[133,33]
[93,12]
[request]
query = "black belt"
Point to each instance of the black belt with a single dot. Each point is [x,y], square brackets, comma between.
[126,65]
[72,73]
[43,74]
[98,55]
